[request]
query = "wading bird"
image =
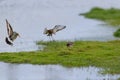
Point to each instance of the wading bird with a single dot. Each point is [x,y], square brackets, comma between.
[50,32]
[12,35]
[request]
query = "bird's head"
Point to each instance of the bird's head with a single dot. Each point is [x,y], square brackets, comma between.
[17,34]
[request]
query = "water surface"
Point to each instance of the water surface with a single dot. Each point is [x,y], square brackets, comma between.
[50,72]
[29,18]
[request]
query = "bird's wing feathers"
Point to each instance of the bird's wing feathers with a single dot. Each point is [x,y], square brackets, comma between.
[45,31]
[9,28]
[8,42]
[58,28]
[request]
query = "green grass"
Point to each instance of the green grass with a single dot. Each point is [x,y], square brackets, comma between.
[117,33]
[118,79]
[83,53]
[110,16]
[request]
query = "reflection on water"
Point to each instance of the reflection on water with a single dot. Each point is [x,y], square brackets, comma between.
[29,18]
[50,72]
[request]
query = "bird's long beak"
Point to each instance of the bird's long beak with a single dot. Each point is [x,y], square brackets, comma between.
[18,35]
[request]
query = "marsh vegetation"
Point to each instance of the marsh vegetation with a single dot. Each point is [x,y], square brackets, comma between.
[83,53]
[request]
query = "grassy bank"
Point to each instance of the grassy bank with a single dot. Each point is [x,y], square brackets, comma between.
[110,16]
[82,53]
[117,33]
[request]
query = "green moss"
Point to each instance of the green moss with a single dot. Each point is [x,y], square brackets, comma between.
[83,53]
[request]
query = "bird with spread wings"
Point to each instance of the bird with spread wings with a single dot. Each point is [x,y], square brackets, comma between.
[12,35]
[56,28]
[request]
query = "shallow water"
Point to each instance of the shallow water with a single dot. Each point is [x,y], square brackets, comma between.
[29,18]
[50,72]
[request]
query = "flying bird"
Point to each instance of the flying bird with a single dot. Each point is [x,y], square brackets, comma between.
[12,35]
[56,28]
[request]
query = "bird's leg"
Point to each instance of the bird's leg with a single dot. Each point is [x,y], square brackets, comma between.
[49,38]
[52,38]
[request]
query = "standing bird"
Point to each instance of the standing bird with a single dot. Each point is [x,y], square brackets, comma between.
[12,35]
[50,32]
[69,44]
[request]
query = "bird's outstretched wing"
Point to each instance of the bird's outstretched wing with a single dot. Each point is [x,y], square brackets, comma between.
[9,28]
[58,28]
